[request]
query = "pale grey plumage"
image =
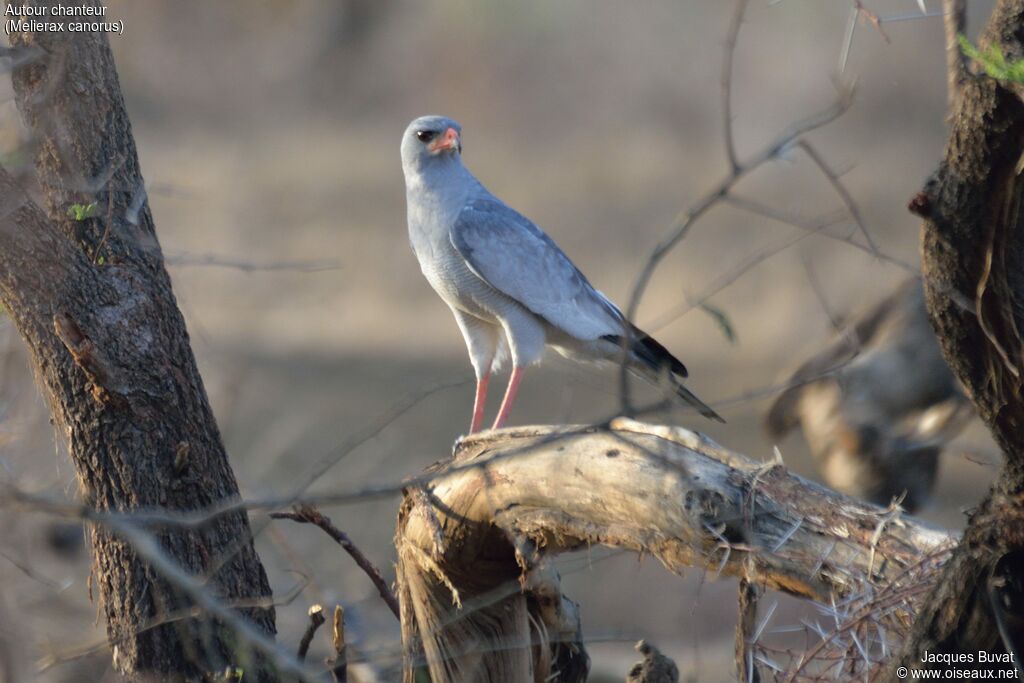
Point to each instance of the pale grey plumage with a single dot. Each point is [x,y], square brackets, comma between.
[507,283]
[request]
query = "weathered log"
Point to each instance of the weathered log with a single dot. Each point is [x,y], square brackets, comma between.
[480,603]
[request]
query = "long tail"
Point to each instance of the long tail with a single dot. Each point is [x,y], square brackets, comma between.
[654,362]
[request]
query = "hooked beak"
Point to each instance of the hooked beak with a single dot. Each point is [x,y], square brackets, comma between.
[448,141]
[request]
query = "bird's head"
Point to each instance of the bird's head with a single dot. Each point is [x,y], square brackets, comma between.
[431,140]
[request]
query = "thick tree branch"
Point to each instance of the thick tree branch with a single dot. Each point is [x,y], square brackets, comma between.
[667,492]
[973,270]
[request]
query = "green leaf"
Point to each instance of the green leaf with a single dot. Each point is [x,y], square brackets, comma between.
[82,211]
[721,319]
[993,61]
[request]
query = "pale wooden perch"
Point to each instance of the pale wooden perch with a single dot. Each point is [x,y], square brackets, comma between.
[480,603]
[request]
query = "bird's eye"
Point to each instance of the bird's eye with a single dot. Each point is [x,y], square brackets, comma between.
[426,135]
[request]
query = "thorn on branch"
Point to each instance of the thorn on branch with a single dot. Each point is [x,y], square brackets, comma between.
[316,620]
[308,514]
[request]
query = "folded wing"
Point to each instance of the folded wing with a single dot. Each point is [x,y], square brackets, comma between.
[517,258]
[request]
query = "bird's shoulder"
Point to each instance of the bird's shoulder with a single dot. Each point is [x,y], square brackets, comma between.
[492,236]
[485,214]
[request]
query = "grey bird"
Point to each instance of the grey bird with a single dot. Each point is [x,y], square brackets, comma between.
[877,403]
[512,290]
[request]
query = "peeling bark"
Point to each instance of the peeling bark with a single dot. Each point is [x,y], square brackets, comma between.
[512,498]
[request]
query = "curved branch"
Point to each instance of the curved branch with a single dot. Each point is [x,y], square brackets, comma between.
[661,491]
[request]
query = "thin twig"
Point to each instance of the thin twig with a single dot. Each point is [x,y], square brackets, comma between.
[760,209]
[688,304]
[954,20]
[307,514]
[148,548]
[106,642]
[182,259]
[840,188]
[819,294]
[727,60]
[872,18]
[687,217]
[316,620]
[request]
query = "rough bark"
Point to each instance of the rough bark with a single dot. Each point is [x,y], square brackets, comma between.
[512,498]
[973,268]
[94,304]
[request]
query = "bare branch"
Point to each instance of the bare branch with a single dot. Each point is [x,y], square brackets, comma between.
[316,620]
[726,279]
[183,259]
[686,218]
[871,17]
[730,53]
[840,188]
[771,213]
[954,20]
[878,616]
[84,650]
[308,514]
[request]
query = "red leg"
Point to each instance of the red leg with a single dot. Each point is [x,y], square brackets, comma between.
[510,396]
[478,403]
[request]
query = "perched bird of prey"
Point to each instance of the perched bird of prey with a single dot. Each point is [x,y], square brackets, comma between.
[878,403]
[512,290]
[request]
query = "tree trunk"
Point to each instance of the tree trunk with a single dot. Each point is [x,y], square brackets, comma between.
[973,269]
[512,498]
[93,301]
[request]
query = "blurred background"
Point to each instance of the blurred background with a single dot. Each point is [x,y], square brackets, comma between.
[268,134]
